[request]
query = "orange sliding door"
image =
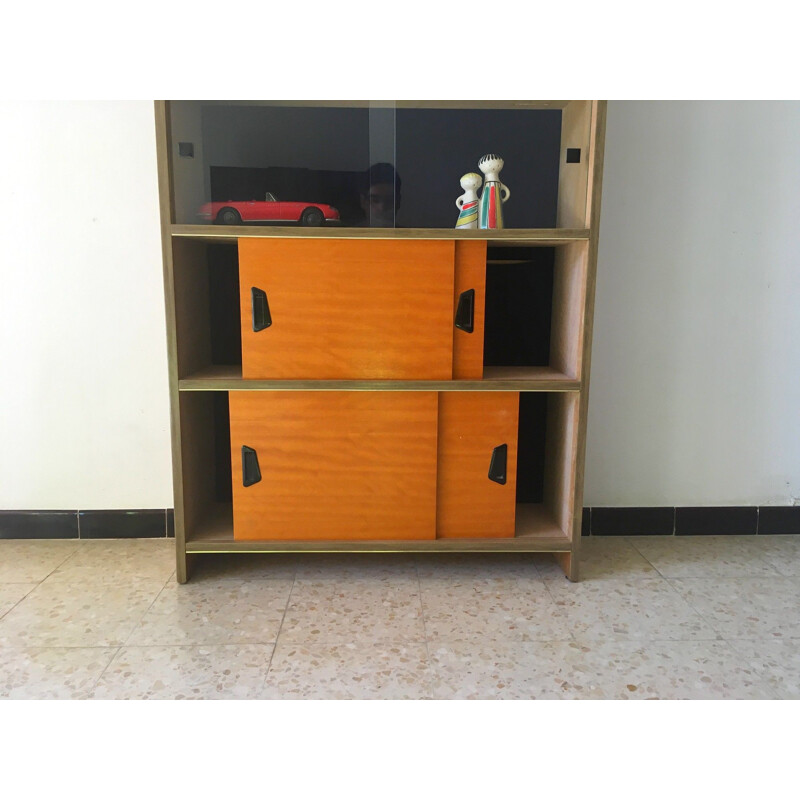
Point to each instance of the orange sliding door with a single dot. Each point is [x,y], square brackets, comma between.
[338,309]
[334,465]
[477,454]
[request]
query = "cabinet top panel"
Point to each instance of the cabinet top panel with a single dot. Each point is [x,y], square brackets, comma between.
[440,104]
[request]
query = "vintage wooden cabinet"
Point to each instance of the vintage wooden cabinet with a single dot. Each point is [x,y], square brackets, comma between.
[343,387]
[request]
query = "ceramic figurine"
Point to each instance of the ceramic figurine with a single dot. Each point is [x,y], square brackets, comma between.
[468,202]
[494,193]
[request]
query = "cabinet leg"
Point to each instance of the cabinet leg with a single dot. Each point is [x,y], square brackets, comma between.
[569,563]
[185,564]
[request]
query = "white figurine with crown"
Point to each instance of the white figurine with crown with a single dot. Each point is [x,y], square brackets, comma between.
[467,203]
[494,193]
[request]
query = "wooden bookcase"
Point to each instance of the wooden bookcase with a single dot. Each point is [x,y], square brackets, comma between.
[201,269]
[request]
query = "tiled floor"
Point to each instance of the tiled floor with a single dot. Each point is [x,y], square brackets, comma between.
[653,617]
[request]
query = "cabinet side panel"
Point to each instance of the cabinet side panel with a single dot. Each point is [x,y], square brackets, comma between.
[335,465]
[470,274]
[197,457]
[573,176]
[561,447]
[569,297]
[471,426]
[598,133]
[348,310]
[162,123]
[192,305]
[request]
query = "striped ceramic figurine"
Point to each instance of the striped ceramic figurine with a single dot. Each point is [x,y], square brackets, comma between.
[494,193]
[468,202]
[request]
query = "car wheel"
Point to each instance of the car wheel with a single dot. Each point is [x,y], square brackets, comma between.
[229,216]
[312,216]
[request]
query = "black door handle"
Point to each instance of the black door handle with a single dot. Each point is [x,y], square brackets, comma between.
[497,466]
[465,312]
[251,473]
[261,316]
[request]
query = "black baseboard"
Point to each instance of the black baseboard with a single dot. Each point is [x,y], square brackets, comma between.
[691,521]
[646,521]
[125,524]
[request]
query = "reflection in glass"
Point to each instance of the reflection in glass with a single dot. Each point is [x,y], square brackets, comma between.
[380,196]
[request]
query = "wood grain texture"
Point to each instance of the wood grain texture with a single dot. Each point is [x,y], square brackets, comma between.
[346,310]
[569,564]
[569,292]
[530,544]
[335,465]
[561,444]
[598,133]
[434,104]
[470,273]
[537,532]
[197,457]
[228,378]
[573,179]
[597,147]
[166,212]
[471,425]
[498,238]
[166,189]
[192,306]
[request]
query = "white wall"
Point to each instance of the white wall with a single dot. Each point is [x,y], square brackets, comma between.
[695,387]
[84,415]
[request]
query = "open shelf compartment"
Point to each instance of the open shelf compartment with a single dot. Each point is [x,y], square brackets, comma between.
[534,321]
[545,485]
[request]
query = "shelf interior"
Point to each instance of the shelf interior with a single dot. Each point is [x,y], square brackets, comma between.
[327,153]
[545,481]
[533,312]
[537,531]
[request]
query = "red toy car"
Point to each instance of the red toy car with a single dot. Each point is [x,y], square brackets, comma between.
[270,209]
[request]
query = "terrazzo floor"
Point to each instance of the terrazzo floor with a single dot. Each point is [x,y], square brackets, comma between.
[711,617]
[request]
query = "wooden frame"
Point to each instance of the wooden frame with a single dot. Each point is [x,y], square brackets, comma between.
[203,524]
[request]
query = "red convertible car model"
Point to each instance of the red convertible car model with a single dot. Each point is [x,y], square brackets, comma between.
[270,209]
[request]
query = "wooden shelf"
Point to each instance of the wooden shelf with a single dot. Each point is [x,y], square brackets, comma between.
[501,379]
[537,532]
[545,237]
